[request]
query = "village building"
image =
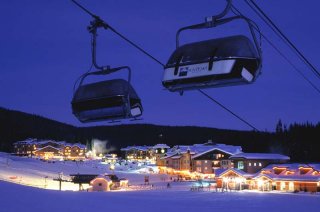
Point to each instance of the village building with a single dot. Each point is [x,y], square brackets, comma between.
[108,182]
[216,157]
[49,149]
[280,177]
[24,148]
[138,153]
[145,153]
[254,162]
[160,150]
[48,152]
[198,158]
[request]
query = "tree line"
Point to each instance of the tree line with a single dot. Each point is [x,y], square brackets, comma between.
[299,141]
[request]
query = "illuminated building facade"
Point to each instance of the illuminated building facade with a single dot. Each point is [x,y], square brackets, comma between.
[48,149]
[280,177]
[199,158]
[254,162]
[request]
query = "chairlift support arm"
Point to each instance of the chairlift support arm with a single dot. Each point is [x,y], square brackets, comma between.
[217,20]
[105,71]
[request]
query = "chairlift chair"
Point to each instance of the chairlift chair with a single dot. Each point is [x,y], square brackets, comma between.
[217,62]
[106,100]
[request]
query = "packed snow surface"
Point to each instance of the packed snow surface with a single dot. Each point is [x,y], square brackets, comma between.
[21,198]
[25,178]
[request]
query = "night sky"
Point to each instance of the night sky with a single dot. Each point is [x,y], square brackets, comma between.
[45,47]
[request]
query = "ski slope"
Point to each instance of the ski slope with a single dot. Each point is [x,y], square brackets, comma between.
[26,193]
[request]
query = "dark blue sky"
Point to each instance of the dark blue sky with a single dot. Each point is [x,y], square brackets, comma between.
[44,47]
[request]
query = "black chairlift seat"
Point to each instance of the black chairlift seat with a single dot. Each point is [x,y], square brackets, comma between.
[106,100]
[212,63]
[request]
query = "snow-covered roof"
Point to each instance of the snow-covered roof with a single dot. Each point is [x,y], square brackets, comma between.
[34,141]
[49,146]
[27,141]
[220,172]
[291,172]
[161,146]
[81,146]
[261,156]
[289,166]
[197,150]
[229,149]
[141,148]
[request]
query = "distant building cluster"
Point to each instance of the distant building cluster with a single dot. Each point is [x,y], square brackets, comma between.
[229,167]
[49,149]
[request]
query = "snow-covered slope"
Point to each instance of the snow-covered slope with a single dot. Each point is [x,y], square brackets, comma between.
[20,198]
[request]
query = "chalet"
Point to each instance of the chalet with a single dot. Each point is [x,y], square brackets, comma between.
[73,151]
[200,158]
[137,152]
[48,149]
[288,177]
[160,150]
[254,162]
[281,177]
[145,152]
[47,152]
[218,156]
[25,148]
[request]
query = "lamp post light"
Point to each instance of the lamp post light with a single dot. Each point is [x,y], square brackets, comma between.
[112,167]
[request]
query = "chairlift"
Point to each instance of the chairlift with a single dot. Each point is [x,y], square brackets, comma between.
[106,100]
[217,62]
[111,100]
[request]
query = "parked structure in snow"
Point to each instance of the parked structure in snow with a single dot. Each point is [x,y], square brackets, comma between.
[108,182]
[48,149]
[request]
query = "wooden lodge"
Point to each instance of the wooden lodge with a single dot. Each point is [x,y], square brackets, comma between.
[48,149]
[280,177]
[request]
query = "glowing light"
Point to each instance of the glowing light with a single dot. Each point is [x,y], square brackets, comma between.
[260,183]
[112,167]
[239,180]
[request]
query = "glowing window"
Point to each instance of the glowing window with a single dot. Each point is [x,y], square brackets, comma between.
[255,164]
[249,164]
[240,165]
[260,164]
[205,161]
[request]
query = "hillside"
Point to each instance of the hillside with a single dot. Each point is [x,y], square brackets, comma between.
[298,141]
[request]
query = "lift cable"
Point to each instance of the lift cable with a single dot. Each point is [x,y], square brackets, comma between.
[107,26]
[225,108]
[277,30]
[235,10]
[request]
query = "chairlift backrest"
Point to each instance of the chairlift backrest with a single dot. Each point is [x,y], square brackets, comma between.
[106,100]
[212,63]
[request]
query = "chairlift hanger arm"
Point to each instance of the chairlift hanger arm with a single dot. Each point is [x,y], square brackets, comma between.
[98,22]
[212,22]
[106,71]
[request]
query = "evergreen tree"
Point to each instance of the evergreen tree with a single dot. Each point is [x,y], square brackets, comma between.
[279,127]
